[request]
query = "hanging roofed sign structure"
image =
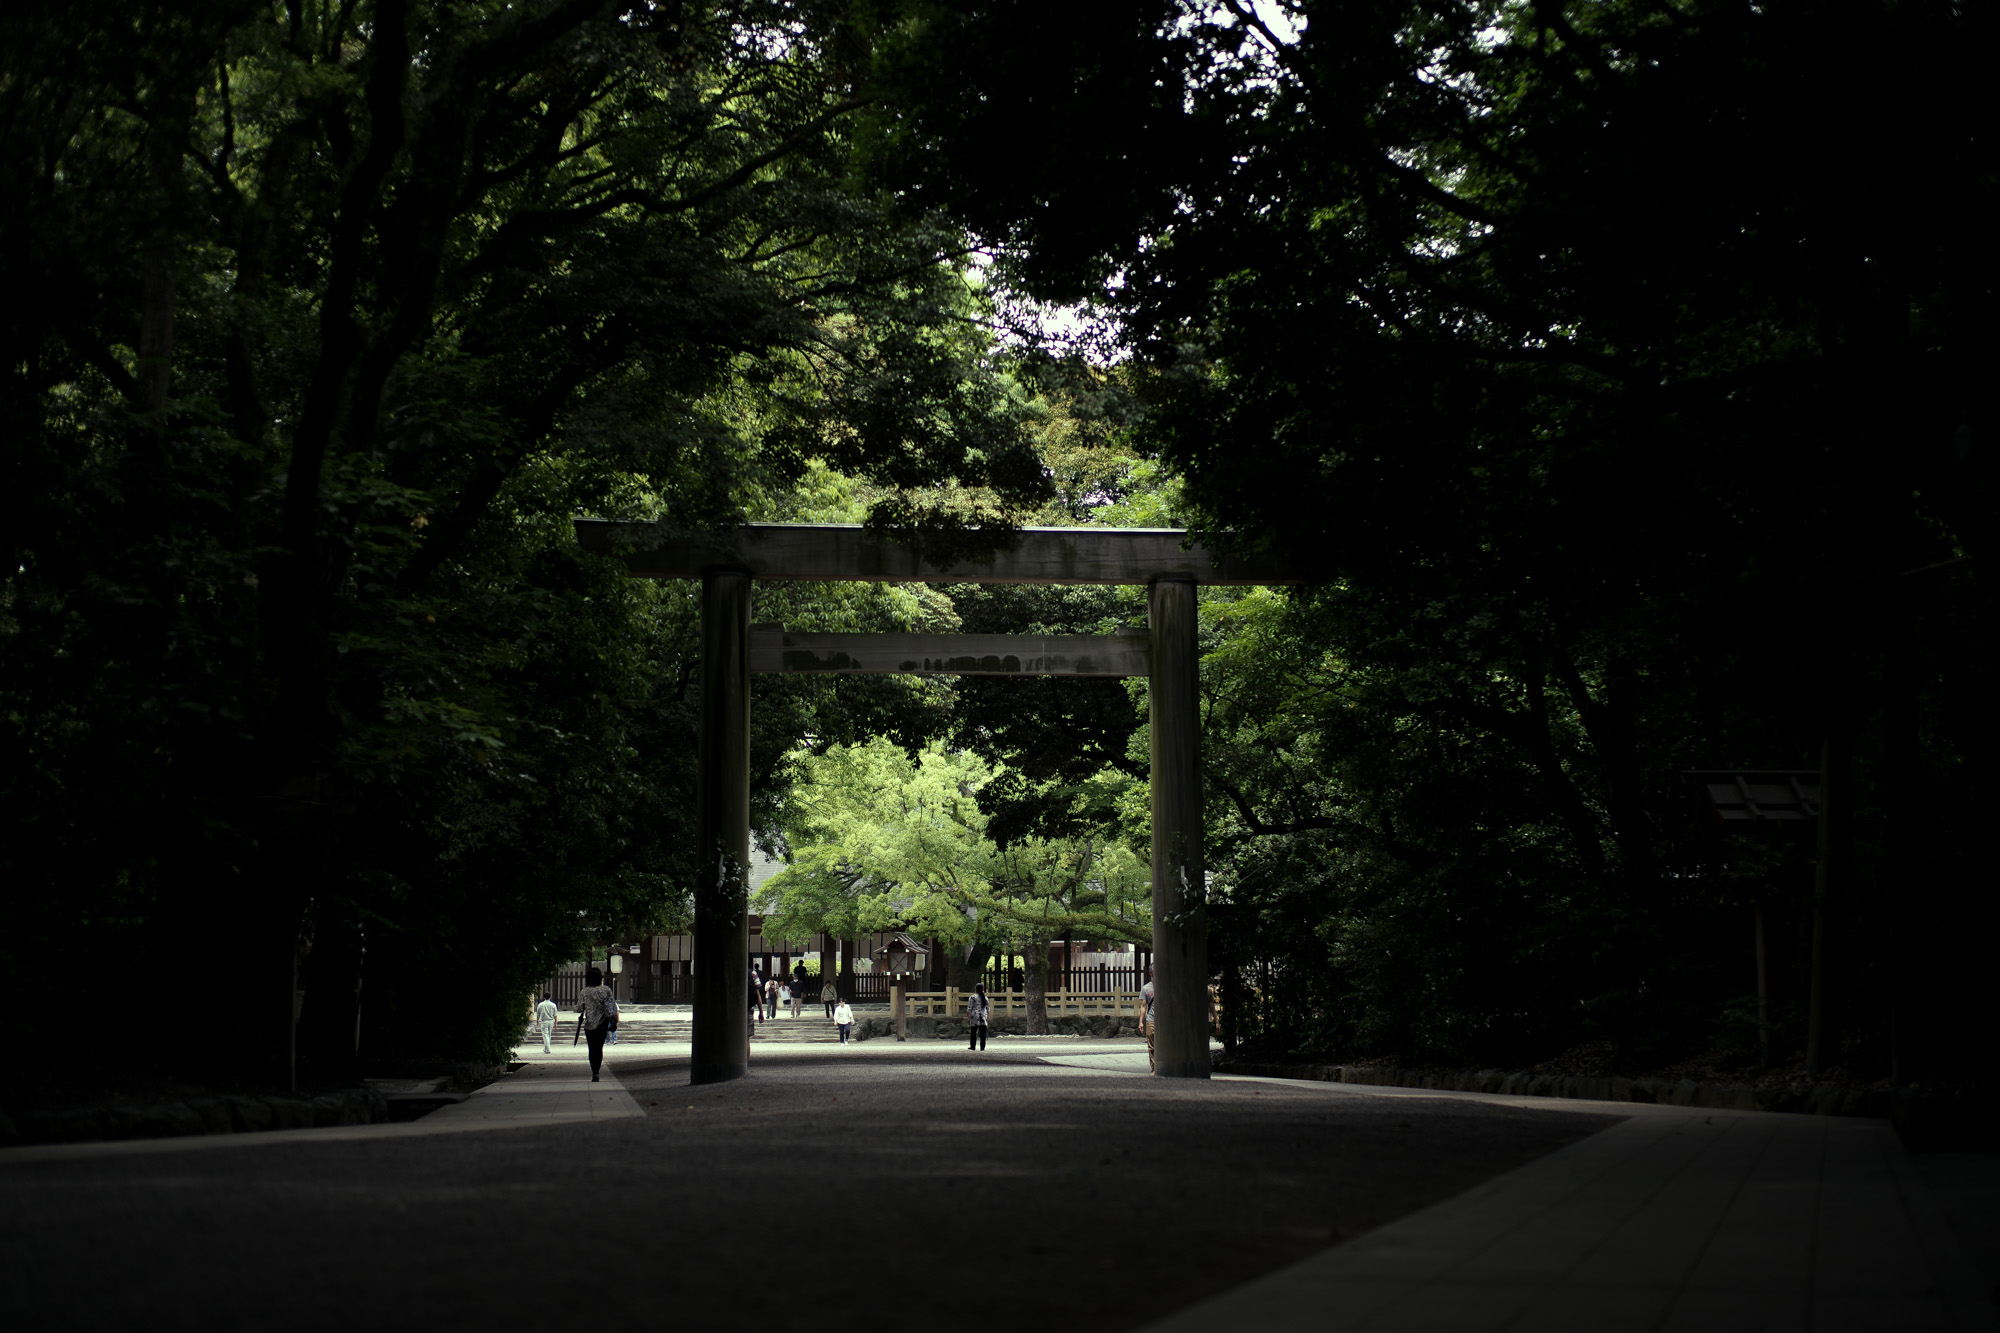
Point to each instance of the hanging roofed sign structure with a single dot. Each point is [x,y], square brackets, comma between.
[732,648]
[1760,795]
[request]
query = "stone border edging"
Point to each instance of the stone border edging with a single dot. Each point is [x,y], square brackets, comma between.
[1909,1109]
[196,1115]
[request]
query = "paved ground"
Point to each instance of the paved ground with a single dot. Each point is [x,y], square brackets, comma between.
[1042,1184]
[1670,1221]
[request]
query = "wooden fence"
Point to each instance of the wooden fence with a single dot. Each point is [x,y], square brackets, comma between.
[1096,989]
[950,1002]
[1100,977]
[678,988]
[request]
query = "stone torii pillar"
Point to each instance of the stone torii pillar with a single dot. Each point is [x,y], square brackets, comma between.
[1180,896]
[721,1027]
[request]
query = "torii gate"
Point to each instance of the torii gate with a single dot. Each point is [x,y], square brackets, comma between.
[732,648]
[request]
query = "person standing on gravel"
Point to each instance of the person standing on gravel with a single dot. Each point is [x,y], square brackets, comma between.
[1146,998]
[545,1013]
[978,1016]
[594,1008]
[843,1018]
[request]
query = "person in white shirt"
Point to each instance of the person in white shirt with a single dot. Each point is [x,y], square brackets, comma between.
[843,1018]
[545,1012]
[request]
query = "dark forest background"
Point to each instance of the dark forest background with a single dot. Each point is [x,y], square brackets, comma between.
[1621,372]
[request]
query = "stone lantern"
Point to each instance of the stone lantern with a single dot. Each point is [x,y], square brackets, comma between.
[900,957]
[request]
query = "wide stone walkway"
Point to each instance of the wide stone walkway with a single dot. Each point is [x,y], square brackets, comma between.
[1670,1220]
[547,1092]
[1094,1196]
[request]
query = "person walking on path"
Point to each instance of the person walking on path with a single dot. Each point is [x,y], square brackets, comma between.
[843,1018]
[829,996]
[756,1001]
[978,1016]
[545,1014]
[1146,998]
[771,998]
[594,1008]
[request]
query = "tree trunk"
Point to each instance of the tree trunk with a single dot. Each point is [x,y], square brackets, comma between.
[332,979]
[1906,875]
[156,335]
[1561,791]
[1829,885]
[1607,723]
[966,969]
[1035,981]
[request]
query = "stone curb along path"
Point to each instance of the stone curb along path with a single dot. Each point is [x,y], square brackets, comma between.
[196,1116]
[1905,1107]
[540,1094]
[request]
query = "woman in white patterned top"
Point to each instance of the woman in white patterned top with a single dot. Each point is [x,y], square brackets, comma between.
[594,1008]
[978,1016]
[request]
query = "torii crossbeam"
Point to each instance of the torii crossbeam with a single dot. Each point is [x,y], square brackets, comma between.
[731,649]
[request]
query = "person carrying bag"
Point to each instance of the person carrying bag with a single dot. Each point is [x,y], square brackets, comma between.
[596,1015]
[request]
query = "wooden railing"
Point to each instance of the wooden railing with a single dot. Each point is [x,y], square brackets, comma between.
[950,1002]
[1097,977]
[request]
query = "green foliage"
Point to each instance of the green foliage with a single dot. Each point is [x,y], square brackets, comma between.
[884,839]
[324,322]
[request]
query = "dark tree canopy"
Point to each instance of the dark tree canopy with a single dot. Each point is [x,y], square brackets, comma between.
[324,321]
[1614,366]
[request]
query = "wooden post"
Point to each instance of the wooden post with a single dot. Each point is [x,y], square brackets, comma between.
[1180,893]
[1828,880]
[896,1004]
[1763,997]
[721,1026]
